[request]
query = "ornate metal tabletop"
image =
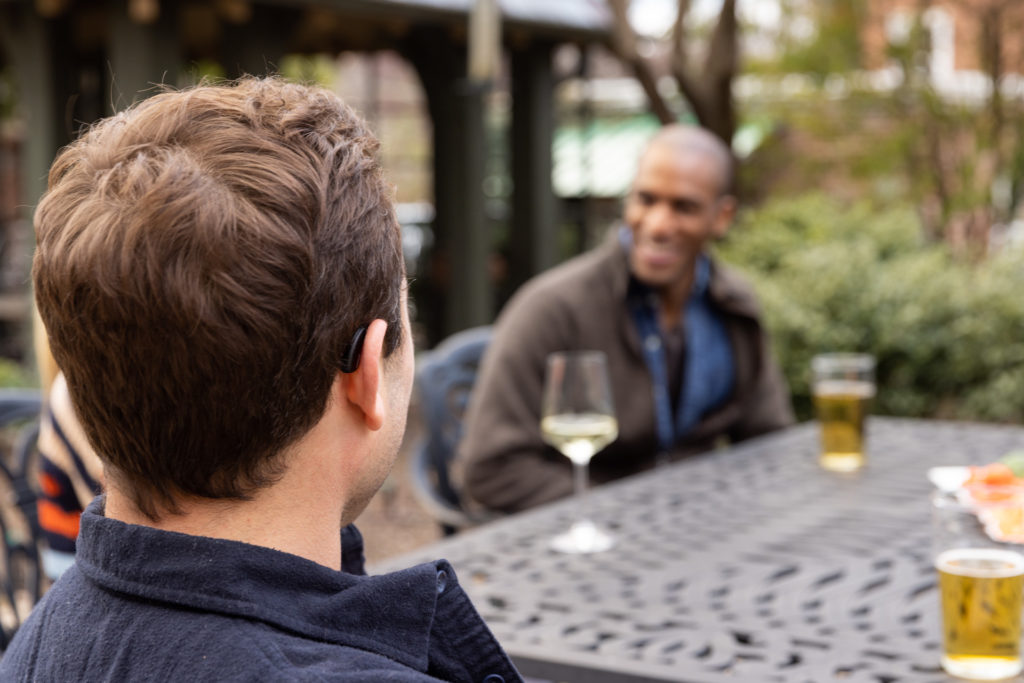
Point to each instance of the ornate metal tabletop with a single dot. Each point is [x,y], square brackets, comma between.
[747,564]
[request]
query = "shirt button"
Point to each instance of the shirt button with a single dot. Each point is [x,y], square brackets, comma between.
[652,342]
[494,678]
[442,581]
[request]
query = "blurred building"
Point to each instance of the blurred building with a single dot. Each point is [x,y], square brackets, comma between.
[969,41]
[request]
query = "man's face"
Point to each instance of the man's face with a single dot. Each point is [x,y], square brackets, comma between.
[673,209]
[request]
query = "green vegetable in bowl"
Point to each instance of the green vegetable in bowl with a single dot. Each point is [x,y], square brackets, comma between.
[1015,461]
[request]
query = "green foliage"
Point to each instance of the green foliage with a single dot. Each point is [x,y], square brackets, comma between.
[318,69]
[13,374]
[835,46]
[948,336]
[204,70]
[960,159]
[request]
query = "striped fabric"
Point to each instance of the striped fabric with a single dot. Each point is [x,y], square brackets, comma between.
[70,474]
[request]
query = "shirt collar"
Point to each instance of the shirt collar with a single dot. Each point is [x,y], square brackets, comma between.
[262,584]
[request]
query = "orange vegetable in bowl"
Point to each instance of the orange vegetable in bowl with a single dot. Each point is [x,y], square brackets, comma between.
[993,483]
[995,474]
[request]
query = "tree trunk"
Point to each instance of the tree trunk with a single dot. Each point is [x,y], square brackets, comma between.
[707,91]
[623,44]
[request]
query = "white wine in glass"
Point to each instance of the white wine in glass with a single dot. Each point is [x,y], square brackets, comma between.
[579,436]
[579,420]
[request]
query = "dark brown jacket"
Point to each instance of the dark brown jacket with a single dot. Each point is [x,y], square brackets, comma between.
[503,464]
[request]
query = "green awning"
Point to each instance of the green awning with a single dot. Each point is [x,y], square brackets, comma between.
[599,159]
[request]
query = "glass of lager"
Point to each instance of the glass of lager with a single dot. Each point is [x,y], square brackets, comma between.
[843,385]
[980,582]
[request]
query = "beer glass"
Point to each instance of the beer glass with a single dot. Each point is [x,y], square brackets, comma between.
[980,582]
[578,419]
[843,385]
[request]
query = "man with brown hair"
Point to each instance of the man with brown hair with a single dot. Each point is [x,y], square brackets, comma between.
[689,360]
[220,274]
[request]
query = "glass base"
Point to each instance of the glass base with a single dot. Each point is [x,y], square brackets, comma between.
[982,668]
[582,538]
[842,462]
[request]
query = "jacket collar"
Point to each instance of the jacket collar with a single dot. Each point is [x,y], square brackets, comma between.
[262,584]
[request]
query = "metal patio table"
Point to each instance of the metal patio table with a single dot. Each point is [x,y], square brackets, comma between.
[746,564]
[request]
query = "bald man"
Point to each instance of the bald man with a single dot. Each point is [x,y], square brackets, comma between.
[689,360]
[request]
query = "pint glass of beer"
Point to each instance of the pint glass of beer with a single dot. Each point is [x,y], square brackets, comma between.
[980,581]
[843,385]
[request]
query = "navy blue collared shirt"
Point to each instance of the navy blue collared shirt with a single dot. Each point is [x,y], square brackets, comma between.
[146,604]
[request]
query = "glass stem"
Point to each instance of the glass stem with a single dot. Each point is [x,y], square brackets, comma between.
[580,488]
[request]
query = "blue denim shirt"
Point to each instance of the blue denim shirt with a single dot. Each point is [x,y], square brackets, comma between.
[709,372]
[146,604]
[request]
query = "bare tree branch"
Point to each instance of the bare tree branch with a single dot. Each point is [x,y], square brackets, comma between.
[709,90]
[720,70]
[622,33]
[624,45]
[679,62]
[723,51]
[710,93]
[679,34]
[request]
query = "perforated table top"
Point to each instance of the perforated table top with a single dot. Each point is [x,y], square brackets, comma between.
[748,564]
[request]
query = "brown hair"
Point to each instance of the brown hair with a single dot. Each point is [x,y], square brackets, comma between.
[203,259]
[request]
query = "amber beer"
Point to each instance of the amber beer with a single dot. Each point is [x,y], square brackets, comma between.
[843,385]
[841,407]
[981,612]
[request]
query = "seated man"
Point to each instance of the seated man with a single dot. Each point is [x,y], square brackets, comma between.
[688,358]
[220,274]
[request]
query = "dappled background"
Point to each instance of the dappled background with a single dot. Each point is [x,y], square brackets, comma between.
[880,147]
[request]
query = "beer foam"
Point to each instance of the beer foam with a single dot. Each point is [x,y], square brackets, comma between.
[998,564]
[844,387]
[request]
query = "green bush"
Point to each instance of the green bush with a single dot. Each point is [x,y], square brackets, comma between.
[948,336]
[14,374]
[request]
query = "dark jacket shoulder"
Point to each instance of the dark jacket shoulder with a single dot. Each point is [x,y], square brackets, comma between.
[573,281]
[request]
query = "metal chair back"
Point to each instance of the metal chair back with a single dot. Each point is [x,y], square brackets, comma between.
[444,381]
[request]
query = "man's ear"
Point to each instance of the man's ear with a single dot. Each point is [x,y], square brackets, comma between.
[364,387]
[726,213]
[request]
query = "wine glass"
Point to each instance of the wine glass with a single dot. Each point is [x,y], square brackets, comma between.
[578,419]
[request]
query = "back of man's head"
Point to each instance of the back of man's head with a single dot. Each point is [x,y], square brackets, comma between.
[203,260]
